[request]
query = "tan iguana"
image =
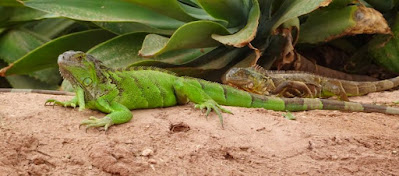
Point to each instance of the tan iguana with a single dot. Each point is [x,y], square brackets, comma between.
[301,84]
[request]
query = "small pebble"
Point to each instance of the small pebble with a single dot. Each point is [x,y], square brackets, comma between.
[152,161]
[147,152]
[394,152]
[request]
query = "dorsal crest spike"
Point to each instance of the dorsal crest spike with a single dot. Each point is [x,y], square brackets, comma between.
[263,71]
[260,69]
[137,68]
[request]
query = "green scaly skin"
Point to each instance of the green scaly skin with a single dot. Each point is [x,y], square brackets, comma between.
[116,92]
[301,84]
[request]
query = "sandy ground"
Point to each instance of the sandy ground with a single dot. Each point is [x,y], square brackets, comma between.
[42,140]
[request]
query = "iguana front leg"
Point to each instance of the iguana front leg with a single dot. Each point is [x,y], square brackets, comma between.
[118,114]
[186,91]
[78,100]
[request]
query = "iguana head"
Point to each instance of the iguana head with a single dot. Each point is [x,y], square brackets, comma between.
[249,80]
[82,70]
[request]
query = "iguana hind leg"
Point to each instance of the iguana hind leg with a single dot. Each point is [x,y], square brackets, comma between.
[187,91]
[335,87]
[299,87]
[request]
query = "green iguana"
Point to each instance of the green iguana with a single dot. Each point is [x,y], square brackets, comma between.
[116,92]
[301,84]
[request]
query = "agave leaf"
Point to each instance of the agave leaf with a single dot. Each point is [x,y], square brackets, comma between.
[233,11]
[25,82]
[3,81]
[382,6]
[222,60]
[192,3]
[106,11]
[170,8]
[50,28]
[122,51]
[293,8]
[266,9]
[293,25]
[246,34]
[16,43]
[131,27]
[153,44]
[211,67]
[66,86]
[198,32]
[174,58]
[12,3]
[201,14]
[46,55]
[15,15]
[385,48]
[339,3]
[194,58]
[350,20]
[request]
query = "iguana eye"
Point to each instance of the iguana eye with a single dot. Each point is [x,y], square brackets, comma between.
[87,81]
[79,56]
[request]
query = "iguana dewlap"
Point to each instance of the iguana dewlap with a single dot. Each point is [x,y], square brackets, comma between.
[116,92]
[301,84]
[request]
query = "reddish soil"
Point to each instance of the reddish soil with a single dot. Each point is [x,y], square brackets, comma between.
[41,140]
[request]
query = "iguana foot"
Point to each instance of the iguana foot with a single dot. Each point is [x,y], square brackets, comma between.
[209,105]
[53,102]
[105,122]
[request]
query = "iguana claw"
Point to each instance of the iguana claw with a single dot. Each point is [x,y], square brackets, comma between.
[105,122]
[53,102]
[209,105]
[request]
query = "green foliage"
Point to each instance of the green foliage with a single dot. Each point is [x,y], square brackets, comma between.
[289,116]
[107,11]
[340,20]
[385,49]
[191,37]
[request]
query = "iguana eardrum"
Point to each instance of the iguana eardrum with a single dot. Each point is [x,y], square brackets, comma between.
[301,84]
[116,92]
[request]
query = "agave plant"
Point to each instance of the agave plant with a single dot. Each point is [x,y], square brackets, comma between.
[201,38]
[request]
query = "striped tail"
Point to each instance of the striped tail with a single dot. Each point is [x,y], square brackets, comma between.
[361,88]
[229,96]
[301,104]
